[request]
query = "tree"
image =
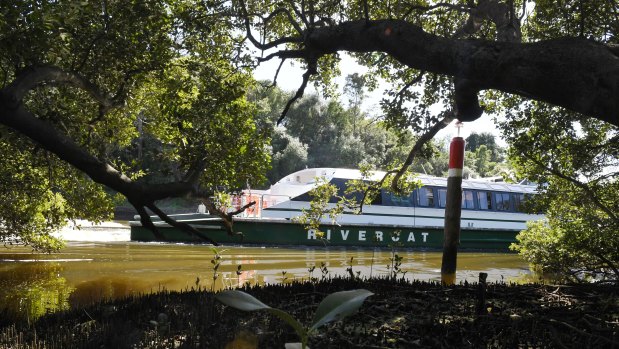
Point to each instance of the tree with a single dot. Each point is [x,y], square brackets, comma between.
[289,155]
[482,161]
[76,74]
[475,140]
[484,46]
[354,89]
[327,129]
[575,161]
[74,78]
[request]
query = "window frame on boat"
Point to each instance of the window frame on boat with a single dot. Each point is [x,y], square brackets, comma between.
[471,199]
[510,201]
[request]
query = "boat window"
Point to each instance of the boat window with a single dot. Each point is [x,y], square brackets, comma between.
[485,200]
[467,200]
[502,201]
[426,197]
[442,197]
[340,184]
[518,199]
[399,200]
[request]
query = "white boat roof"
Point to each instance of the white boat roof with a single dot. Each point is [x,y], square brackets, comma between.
[304,180]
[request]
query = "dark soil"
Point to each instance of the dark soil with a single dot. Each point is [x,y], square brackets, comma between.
[398,315]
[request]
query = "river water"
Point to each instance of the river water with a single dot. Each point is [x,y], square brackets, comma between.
[87,271]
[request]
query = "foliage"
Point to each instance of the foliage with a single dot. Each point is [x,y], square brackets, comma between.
[321,194]
[476,140]
[335,306]
[39,193]
[36,290]
[575,162]
[288,155]
[319,133]
[327,200]
[160,94]
[395,266]
[483,158]
[216,262]
[198,110]
[330,138]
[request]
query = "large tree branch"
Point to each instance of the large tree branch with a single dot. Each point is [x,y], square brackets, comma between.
[310,70]
[285,54]
[34,76]
[575,73]
[147,222]
[265,21]
[425,138]
[180,225]
[609,263]
[13,114]
[54,141]
[226,216]
[138,194]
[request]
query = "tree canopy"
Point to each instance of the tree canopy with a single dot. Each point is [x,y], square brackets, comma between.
[576,162]
[76,79]
[84,84]
[325,133]
[455,50]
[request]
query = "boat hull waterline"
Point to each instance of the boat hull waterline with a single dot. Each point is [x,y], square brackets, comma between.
[289,233]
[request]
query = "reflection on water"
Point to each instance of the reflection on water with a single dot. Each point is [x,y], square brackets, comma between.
[33,289]
[32,284]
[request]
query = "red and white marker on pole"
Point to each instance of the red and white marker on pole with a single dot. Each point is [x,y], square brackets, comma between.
[453,209]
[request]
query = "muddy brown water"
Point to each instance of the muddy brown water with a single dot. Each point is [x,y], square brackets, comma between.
[84,272]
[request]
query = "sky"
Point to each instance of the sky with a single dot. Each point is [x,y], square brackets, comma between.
[290,78]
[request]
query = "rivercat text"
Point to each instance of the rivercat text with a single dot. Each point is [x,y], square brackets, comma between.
[369,235]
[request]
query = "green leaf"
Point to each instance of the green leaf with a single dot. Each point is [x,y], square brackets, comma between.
[338,305]
[246,302]
[240,300]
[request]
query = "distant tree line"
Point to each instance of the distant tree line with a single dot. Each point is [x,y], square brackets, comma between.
[326,133]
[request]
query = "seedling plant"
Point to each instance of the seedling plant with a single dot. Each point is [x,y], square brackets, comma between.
[335,306]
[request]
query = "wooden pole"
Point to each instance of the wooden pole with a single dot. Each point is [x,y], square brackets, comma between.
[453,208]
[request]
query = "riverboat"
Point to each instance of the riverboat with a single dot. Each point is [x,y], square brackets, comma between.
[491,215]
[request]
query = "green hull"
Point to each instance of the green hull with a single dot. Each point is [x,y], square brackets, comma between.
[276,232]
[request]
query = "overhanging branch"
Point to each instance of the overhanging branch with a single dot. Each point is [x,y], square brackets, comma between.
[575,73]
[49,138]
[180,225]
[298,94]
[34,76]
[425,138]
[275,43]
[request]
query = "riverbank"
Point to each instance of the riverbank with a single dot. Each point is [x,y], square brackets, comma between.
[83,230]
[398,315]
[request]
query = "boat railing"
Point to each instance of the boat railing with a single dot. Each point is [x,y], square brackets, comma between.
[268,200]
[262,202]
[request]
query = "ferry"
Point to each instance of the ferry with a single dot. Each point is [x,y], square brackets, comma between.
[491,215]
